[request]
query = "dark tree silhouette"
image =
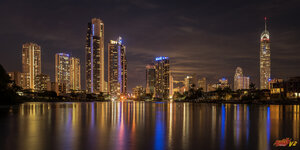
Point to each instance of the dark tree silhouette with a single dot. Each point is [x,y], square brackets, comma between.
[7,93]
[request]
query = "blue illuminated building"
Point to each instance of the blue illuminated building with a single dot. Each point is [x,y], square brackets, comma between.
[117,68]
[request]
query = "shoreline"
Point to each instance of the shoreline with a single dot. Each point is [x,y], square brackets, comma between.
[255,102]
[259,102]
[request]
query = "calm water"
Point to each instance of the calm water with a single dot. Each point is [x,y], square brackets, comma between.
[146,125]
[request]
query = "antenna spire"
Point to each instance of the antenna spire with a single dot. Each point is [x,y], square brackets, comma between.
[265,23]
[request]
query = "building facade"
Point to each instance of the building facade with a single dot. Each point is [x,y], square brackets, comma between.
[17,78]
[94,49]
[42,83]
[265,58]
[223,83]
[162,76]
[202,84]
[31,64]
[62,72]
[171,89]
[150,79]
[189,82]
[240,81]
[75,79]
[117,68]
[138,91]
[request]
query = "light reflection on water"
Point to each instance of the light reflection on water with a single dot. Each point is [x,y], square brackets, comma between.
[145,125]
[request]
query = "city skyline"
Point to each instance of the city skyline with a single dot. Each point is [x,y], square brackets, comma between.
[194,57]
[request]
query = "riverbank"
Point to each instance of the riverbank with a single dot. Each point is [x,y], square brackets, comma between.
[262,102]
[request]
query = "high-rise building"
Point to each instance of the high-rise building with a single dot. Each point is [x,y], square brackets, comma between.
[42,83]
[117,68]
[31,64]
[17,78]
[162,85]
[240,81]
[171,91]
[62,72]
[265,58]
[75,80]
[150,79]
[95,56]
[202,84]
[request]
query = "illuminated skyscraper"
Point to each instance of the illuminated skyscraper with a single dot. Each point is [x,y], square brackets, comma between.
[162,85]
[265,58]
[31,64]
[95,56]
[240,81]
[150,79]
[117,68]
[75,82]
[62,72]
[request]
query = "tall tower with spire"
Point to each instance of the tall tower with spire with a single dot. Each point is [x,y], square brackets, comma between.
[265,58]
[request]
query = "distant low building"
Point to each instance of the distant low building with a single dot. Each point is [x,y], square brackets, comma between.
[240,81]
[212,87]
[223,83]
[202,84]
[276,86]
[54,87]
[292,87]
[138,91]
[18,78]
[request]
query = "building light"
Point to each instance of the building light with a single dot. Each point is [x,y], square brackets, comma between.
[161,58]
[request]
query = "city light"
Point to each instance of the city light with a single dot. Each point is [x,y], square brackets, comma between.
[161,58]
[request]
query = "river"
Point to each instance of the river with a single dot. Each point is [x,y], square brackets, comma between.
[134,125]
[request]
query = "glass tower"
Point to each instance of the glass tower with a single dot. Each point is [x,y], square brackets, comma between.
[94,49]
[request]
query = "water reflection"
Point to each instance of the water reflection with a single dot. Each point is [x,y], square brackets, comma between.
[146,125]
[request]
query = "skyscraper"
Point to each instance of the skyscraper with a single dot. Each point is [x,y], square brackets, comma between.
[62,72]
[162,85]
[150,79]
[75,82]
[31,64]
[240,81]
[95,56]
[265,58]
[117,68]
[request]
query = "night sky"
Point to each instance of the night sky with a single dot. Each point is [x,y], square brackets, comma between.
[209,38]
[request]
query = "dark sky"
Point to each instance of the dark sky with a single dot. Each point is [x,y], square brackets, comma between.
[210,38]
